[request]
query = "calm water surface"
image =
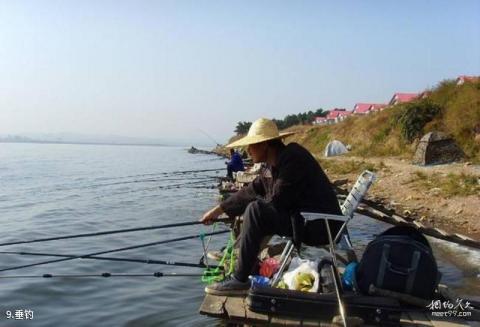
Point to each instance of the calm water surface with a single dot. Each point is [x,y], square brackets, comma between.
[49,190]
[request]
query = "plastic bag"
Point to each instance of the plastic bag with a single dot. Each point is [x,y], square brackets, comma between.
[301,274]
[348,278]
[259,280]
[268,267]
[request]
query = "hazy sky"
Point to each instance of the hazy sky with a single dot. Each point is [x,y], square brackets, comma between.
[165,69]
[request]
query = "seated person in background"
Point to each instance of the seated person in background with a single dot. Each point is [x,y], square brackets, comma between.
[296,183]
[235,164]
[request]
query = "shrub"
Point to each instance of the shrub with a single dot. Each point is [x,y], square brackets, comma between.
[414,116]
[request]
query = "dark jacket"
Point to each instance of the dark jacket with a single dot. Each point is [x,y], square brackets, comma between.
[296,183]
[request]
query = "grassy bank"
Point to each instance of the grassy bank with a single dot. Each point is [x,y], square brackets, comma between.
[446,185]
[452,109]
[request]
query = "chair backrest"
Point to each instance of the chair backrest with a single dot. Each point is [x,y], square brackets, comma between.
[363,183]
[353,199]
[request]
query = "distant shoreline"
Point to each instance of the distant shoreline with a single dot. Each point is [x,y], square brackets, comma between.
[87,143]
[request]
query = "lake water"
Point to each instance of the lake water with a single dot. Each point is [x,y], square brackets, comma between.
[57,189]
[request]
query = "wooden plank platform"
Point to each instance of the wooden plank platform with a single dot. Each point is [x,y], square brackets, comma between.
[235,310]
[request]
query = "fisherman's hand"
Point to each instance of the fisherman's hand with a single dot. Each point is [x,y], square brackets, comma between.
[211,215]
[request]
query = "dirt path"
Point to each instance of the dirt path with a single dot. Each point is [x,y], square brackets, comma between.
[396,187]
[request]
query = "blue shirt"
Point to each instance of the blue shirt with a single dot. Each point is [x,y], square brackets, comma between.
[236,162]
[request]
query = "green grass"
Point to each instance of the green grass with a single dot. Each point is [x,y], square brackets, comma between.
[342,167]
[421,175]
[449,185]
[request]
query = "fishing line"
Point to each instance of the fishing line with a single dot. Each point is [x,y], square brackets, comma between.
[181,185]
[150,180]
[177,172]
[115,250]
[68,197]
[180,172]
[210,137]
[167,173]
[167,177]
[164,187]
[211,159]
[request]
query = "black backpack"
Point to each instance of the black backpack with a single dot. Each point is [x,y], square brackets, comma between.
[401,260]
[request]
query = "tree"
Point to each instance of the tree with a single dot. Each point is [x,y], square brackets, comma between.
[320,112]
[242,127]
[280,124]
[289,120]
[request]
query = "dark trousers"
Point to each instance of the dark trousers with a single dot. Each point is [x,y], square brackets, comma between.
[259,220]
[229,171]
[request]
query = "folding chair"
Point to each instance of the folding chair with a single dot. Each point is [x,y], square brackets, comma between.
[348,208]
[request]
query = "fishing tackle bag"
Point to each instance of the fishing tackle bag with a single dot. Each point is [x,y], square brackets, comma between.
[374,310]
[401,260]
[323,305]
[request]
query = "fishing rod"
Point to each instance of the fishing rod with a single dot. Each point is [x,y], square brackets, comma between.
[211,138]
[193,171]
[109,232]
[115,250]
[107,275]
[165,187]
[203,187]
[151,180]
[177,172]
[181,184]
[146,261]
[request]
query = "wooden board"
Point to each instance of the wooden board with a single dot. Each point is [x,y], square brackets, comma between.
[420,319]
[406,321]
[235,309]
[213,306]
[447,322]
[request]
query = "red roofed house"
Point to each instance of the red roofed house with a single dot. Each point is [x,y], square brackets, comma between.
[337,115]
[361,108]
[377,107]
[320,120]
[402,98]
[342,115]
[333,115]
[462,79]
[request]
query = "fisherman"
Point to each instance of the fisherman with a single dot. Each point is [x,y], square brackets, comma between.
[235,164]
[295,183]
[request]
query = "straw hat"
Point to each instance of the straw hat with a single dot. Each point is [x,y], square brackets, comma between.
[261,130]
